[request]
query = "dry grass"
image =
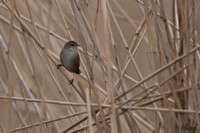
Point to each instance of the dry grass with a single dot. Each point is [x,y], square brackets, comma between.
[139,61]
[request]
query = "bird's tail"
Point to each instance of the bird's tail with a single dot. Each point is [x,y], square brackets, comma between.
[78,71]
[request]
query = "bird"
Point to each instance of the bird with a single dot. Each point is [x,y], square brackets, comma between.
[69,58]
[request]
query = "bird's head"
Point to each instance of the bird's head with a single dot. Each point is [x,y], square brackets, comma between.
[71,44]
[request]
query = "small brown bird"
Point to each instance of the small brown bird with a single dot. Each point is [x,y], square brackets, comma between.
[69,57]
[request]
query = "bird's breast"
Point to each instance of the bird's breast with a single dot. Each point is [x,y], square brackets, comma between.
[70,59]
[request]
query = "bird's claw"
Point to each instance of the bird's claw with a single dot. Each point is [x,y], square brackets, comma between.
[71,81]
[59,65]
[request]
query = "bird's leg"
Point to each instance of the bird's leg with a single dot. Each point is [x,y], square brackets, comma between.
[59,65]
[71,81]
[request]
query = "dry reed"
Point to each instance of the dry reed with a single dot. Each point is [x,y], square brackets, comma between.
[139,61]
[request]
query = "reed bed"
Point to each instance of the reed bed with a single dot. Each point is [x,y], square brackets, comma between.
[139,66]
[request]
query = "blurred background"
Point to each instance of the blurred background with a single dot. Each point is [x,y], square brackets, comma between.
[139,66]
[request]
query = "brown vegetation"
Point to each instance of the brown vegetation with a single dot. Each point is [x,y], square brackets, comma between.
[139,62]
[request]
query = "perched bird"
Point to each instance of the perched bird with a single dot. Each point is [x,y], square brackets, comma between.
[69,57]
